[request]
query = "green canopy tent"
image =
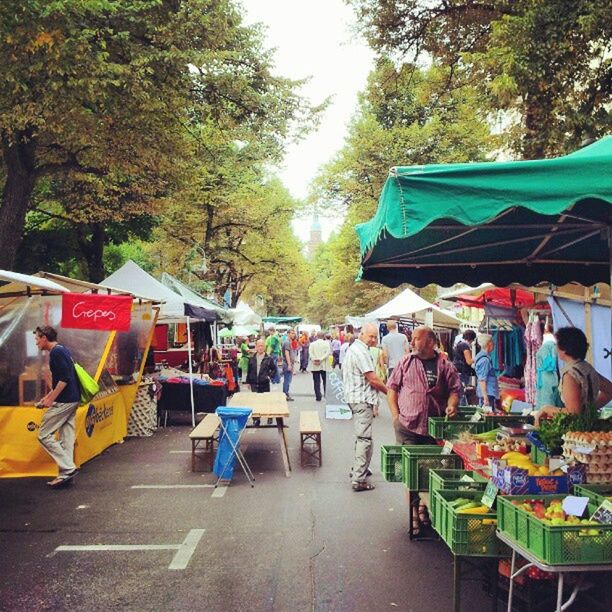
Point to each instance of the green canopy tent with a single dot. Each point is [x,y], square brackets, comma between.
[500,222]
[283,320]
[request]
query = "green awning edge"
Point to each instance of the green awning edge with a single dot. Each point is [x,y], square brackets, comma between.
[408,202]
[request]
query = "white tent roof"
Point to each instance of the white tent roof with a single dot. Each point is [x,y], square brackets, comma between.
[131,277]
[26,284]
[245,316]
[194,298]
[410,305]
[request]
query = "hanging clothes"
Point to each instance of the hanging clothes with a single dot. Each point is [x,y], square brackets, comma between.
[547,375]
[533,341]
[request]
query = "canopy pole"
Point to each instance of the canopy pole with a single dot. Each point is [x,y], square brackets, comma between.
[190,374]
[610,252]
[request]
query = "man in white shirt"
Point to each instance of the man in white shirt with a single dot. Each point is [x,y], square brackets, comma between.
[394,347]
[318,356]
[361,386]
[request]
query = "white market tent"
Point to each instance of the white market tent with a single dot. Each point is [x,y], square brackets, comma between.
[245,316]
[195,298]
[174,307]
[24,284]
[409,305]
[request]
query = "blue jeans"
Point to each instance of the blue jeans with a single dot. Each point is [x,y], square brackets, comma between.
[465,381]
[287,378]
[276,378]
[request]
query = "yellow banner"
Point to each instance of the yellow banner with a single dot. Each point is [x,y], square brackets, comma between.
[98,426]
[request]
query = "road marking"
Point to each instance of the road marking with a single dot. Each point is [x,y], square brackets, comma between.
[180,452]
[186,550]
[180,561]
[199,486]
[219,492]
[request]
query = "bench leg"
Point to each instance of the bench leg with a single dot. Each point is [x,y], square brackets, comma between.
[308,440]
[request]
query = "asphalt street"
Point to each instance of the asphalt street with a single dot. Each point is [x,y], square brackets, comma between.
[138,530]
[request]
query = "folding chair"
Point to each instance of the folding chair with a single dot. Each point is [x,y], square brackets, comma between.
[233,423]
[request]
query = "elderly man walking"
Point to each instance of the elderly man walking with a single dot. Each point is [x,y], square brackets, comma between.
[318,355]
[422,385]
[361,386]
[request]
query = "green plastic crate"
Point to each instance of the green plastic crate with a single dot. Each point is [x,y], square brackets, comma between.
[450,480]
[464,411]
[554,544]
[418,459]
[391,463]
[597,493]
[471,535]
[442,428]
[495,420]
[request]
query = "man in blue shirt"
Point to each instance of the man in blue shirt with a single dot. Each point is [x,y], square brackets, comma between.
[487,388]
[62,403]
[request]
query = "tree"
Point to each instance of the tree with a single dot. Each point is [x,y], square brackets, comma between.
[114,93]
[547,62]
[406,117]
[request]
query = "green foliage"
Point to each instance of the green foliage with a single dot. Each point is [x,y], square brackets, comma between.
[406,117]
[126,106]
[545,62]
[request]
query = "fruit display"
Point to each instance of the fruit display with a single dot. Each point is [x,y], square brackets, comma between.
[516,474]
[466,525]
[539,524]
[593,449]
[551,512]
[524,462]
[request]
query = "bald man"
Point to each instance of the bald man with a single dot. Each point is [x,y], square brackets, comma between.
[422,385]
[361,386]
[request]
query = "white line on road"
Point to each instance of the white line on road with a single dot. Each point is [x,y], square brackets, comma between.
[186,550]
[199,486]
[180,452]
[180,561]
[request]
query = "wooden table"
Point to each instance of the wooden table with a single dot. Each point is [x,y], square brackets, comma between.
[271,405]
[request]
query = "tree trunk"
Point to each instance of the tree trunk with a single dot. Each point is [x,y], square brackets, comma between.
[19,160]
[93,251]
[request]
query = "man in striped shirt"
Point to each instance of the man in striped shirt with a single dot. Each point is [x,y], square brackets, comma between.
[361,386]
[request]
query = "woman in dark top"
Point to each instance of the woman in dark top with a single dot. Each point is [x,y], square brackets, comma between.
[463,361]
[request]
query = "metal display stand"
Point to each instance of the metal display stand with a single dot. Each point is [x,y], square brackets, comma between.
[560,570]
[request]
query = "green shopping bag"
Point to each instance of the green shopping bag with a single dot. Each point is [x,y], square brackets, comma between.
[89,387]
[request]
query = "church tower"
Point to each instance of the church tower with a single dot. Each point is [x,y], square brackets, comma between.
[315,236]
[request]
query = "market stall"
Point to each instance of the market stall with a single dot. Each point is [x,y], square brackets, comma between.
[176,311]
[114,358]
[514,222]
[496,222]
[410,310]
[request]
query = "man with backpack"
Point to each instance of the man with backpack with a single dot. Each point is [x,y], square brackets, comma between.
[62,403]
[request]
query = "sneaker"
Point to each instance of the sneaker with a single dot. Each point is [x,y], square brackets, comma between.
[363,486]
[290,399]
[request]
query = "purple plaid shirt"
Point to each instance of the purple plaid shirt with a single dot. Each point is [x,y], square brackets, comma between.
[417,402]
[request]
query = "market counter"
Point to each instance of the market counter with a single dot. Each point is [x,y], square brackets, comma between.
[176,397]
[99,424]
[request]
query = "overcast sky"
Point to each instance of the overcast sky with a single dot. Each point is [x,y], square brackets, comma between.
[315,39]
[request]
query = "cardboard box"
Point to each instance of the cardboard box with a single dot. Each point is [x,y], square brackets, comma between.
[516,481]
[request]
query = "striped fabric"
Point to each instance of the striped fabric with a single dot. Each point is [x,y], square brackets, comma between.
[416,401]
[357,362]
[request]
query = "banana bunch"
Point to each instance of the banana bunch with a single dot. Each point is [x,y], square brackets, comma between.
[519,460]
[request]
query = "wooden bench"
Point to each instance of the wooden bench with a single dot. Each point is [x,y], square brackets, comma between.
[205,431]
[310,438]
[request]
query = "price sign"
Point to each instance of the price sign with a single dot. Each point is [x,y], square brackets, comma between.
[447,449]
[488,498]
[603,514]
